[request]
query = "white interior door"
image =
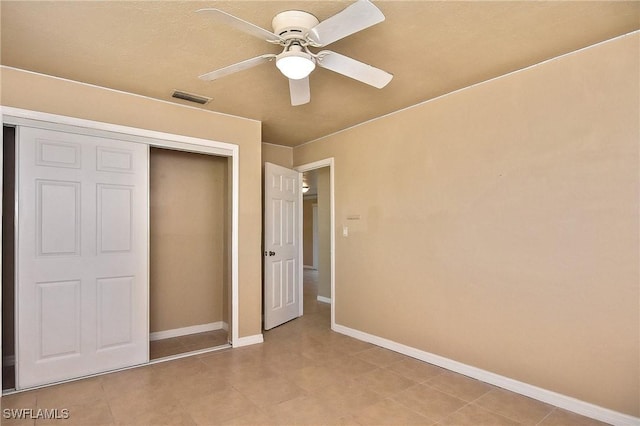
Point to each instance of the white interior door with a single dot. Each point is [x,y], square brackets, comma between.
[82,255]
[282,245]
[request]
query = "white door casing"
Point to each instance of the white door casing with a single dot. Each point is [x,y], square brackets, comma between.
[82,255]
[328,162]
[282,245]
[315,250]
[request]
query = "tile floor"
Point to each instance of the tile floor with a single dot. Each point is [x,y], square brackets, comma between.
[302,374]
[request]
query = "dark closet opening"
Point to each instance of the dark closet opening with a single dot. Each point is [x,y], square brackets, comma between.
[8,264]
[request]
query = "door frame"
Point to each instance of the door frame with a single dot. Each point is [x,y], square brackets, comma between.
[314,236]
[19,116]
[327,162]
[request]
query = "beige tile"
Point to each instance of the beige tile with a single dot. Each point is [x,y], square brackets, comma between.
[72,393]
[237,367]
[314,377]
[347,397]
[219,407]
[282,334]
[280,360]
[19,402]
[234,359]
[559,417]
[93,413]
[190,388]
[135,387]
[414,369]
[429,402]
[460,386]
[514,406]
[389,412]
[18,417]
[384,382]
[142,382]
[168,417]
[257,418]
[351,345]
[472,415]
[305,410]
[151,406]
[347,421]
[348,366]
[239,375]
[380,356]
[23,419]
[269,391]
[320,352]
[183,367]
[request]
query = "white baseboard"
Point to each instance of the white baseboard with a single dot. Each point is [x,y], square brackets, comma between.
[559,400]
[324,299]
[248,340]
[184,331]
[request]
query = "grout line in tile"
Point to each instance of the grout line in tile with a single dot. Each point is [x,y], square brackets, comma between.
[548,414]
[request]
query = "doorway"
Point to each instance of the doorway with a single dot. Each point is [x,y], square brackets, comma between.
[318,177]
[316,224]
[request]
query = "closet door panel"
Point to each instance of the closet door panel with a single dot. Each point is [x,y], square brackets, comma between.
[82,258]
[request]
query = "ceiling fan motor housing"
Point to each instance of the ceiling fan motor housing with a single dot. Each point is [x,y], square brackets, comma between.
[293,24]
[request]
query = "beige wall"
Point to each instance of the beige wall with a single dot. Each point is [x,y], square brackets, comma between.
[188,212]
[276,154]
[499,225]
[41,93]
[307,231]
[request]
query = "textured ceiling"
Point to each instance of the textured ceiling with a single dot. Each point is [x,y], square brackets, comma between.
[432,48]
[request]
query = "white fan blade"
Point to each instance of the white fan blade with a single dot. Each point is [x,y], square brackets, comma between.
[240,24]
[355,69]
[300,91]
[358,16]
[240,66]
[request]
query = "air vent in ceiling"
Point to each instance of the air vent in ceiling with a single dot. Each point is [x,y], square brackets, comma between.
[179,94]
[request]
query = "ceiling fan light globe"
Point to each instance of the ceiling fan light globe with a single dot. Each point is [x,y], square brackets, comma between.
[295,66]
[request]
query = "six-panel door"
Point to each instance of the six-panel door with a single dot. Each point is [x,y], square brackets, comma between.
[282,245]
[82,255]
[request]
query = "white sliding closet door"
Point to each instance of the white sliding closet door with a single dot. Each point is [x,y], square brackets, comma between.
[82,255]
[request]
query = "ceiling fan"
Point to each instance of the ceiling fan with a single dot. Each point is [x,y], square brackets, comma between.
[297,31]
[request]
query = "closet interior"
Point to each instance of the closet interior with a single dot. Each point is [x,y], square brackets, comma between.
[189,277]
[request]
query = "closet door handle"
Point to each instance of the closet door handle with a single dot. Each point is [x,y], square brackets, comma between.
[270,253]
